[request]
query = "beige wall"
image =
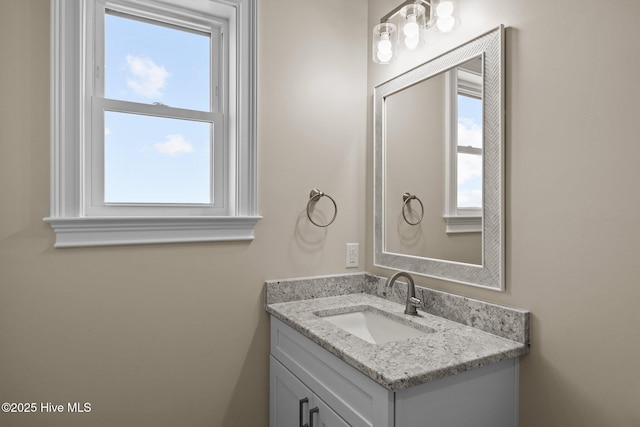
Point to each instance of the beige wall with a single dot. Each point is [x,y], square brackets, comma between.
[176,334]
[572,199]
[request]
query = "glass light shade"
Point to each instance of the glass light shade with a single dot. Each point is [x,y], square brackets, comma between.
[413,25]
[445,15]
[411,28]
[385,42]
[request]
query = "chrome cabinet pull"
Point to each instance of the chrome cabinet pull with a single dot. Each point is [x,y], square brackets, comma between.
[315,410]
[301,411]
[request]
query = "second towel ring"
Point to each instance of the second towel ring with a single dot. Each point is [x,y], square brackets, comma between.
[406,199]
[314,196]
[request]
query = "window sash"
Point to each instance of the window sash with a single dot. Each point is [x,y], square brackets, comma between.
[470,150]
[94,151]
[94,172]
[182,20]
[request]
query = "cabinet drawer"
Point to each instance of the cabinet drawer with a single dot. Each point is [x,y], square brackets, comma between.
[358,399]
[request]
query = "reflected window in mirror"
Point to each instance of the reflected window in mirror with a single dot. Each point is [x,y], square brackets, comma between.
[463,205]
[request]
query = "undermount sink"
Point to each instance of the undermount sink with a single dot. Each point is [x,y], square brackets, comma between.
[372,327]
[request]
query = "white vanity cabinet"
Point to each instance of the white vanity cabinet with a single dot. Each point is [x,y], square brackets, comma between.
[311,387]
[295,405]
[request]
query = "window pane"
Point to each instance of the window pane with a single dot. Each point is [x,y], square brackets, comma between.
[469,164]
[469,121]
[151,63]
[469,180]
[156,160]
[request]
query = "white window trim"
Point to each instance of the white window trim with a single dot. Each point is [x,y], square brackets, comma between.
[458,220]
[73,227]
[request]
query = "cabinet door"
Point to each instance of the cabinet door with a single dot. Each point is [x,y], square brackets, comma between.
[325,416]
[292,404]
[289,399]
[359,400]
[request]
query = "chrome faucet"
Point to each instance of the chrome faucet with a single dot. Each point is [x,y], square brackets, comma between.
[412,301]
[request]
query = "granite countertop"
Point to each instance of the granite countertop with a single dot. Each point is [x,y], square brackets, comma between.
[449,348]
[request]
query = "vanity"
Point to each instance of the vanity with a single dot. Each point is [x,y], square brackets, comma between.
[324,371]
[343,351]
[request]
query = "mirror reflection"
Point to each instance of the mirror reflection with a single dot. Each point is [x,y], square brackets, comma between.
[438,140]
[433,166]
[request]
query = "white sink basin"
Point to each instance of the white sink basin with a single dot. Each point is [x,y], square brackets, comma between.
[373,327]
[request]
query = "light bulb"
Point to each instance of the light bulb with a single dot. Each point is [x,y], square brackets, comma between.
[444,9]
[446,24]
[384,45]
[411,42]
[411,28]
[384,56]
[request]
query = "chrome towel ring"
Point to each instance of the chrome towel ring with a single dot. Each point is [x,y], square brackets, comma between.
[407,198]
[314,196]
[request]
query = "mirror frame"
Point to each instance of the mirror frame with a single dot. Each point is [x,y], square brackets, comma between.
[490,274]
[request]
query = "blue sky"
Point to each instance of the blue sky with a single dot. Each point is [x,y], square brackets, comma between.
[152,159]
[469,166]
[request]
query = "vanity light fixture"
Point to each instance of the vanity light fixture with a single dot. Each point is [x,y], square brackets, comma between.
[414,18]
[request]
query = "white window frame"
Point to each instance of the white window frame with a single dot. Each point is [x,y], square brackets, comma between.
[77,216]
[94,160]
[458,220]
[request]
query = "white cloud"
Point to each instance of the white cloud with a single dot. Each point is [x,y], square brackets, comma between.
[107,132]
[469,133]
[173,145]
[470,198]
[146,77]
[469,167]
[469,180]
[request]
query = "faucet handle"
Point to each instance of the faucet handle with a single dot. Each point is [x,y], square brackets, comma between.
[415,301]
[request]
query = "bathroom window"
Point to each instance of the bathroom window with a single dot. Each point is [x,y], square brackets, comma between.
[153,121]
[463,211]
[157,115]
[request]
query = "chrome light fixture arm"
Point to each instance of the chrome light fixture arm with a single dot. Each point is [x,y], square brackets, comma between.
[401,6]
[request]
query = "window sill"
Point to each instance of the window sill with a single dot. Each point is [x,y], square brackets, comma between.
[463,224]
[108,231]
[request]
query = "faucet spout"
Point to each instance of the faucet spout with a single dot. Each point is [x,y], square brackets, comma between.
[412,301]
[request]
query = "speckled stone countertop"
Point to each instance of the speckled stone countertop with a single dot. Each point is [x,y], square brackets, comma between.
[448,348]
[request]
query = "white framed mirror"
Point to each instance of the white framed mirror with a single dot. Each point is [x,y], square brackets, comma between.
[439,166]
